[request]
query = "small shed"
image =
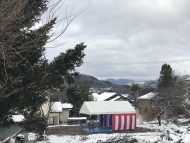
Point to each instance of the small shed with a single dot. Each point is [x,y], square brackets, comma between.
[118,115]
[59,112]
[146,105]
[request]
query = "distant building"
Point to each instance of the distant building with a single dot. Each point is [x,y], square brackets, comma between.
[99,90]
[146,105]
[103,96]
[118,97]
[188,80]
[110,96]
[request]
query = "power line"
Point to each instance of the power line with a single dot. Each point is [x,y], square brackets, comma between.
[136,62]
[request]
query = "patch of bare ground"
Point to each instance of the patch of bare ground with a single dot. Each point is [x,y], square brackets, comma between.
[77,130]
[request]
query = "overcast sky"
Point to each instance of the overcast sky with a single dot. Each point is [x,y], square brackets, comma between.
[128,38]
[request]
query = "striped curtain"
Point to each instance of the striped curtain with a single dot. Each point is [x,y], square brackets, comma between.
[123,122]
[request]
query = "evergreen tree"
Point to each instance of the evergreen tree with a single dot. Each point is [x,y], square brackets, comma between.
[135,88]
[166,77]
[25,75]
[77,95]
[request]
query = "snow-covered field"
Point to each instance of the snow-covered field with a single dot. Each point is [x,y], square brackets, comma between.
[93,138]
[167,133]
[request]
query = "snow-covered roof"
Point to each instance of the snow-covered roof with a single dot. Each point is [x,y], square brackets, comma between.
[56,107]
[106,95]
[67,106]
[125,95]
[106,107]
[148,96]
[77,118]
[18,118]
[103,96]
[114,99]
[95,96]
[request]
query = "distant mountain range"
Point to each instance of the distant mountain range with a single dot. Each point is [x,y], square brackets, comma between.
[121,85]
[121,81]
[150,84]
[96,83]
[143,84]
[92,81]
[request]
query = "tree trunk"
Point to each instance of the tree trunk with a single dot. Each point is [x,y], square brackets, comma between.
[159,119]
[161,113]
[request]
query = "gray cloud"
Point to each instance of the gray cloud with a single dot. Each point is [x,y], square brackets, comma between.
[129,38]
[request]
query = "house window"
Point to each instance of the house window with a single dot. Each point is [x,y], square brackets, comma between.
[51,120]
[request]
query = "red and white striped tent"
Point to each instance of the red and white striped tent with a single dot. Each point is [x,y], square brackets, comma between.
[122,113]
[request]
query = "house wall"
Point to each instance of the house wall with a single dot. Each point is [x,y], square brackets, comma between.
[64,115]
[45,108]
[56,118]
[145,109]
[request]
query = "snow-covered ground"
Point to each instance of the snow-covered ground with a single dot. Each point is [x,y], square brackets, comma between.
[93,138]
[167,133]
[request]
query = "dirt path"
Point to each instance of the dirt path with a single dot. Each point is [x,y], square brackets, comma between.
[65,130]
[77,130]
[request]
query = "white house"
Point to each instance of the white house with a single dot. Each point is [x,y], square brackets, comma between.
[59,112]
